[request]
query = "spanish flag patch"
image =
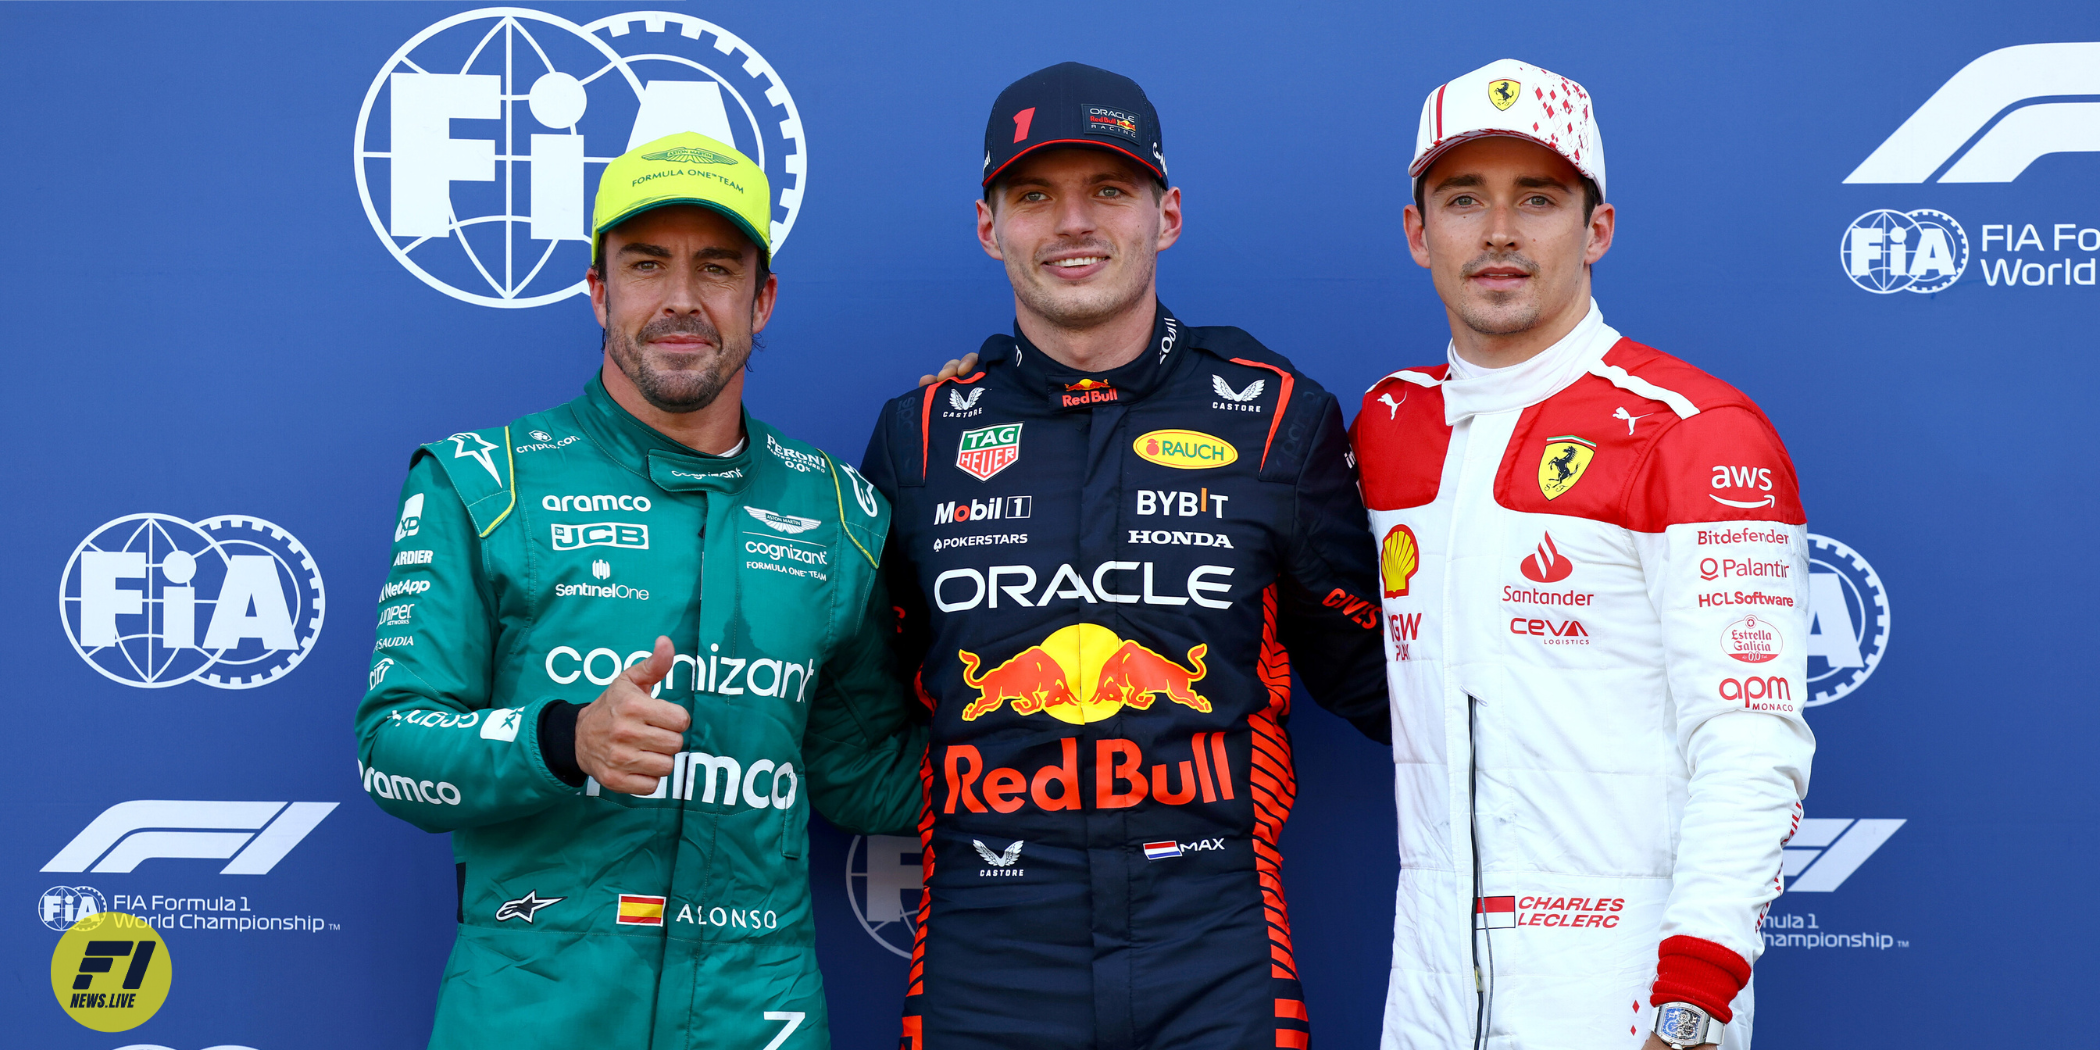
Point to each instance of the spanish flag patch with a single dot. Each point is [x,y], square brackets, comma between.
[638,910]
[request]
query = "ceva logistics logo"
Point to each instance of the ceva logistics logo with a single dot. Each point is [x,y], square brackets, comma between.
[499,216]
[151,600]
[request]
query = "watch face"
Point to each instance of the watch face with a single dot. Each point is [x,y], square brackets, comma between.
[1679,1024]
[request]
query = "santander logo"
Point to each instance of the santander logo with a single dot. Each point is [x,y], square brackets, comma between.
[1547,564]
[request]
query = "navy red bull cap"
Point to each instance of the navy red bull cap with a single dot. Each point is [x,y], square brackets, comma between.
[1073,104]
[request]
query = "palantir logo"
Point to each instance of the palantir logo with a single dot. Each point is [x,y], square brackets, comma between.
[151,600]
[884,881]
[1825,851]
[1848,627]
[499,216]
[250,836]
[1992,95]
[1888,251]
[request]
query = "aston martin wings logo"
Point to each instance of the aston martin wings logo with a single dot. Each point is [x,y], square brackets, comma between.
[690,155]
[787,523]
[999,860]
[1226,391]
[961,403]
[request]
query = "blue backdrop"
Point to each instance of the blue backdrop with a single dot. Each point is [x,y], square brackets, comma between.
[224,308]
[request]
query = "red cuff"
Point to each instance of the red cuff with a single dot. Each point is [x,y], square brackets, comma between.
[1699,972]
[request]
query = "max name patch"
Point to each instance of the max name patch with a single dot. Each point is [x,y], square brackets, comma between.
[1102,120]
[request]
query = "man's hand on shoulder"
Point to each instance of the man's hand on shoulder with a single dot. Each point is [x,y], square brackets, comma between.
[625,738]
[952,369]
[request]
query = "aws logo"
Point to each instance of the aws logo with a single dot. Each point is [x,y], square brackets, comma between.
[1980,127]
[1110,672]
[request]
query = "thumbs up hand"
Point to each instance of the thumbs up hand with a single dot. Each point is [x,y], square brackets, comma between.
[625,738]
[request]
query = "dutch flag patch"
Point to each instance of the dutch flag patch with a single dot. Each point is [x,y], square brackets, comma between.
[1162,850]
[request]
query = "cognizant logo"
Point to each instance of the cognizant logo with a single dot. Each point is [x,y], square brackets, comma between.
[715,672]
[501,220]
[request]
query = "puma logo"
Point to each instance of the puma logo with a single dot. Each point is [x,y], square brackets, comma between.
[1392,407]
[1621,414]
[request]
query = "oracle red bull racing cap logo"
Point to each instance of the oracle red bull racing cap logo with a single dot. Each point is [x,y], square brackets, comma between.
[1083,673]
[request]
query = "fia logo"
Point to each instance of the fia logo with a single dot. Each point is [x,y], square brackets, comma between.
[1887,251]
[501,218]
[884,883]
[1848,620]
[151,600]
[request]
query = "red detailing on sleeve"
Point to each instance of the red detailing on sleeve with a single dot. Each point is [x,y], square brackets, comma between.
[917,978]
[911,1038]
[1273,784]
[1400,439]
[1291,1008]
[926,417]
[1283,402]
[1698,971]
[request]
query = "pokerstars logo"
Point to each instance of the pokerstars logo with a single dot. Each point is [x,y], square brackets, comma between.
[499,216]
[151,600]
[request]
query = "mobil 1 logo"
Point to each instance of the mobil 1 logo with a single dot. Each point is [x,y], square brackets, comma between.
[995,508]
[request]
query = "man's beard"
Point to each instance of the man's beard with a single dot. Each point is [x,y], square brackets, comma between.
[1500,313]
[1080,308]
[677,390]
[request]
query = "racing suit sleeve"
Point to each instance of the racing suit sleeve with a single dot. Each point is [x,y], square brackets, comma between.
[1724,549]
[863,746]
[430,749]
[1329,610]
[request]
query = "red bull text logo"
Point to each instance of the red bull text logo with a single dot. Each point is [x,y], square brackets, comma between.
[1121,779]
[1086,392]
[1112,672]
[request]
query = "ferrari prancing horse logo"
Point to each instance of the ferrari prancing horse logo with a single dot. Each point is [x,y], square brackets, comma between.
[1503,93]
[1566,457]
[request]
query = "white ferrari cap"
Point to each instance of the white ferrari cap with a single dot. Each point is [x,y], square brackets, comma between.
[1509,98]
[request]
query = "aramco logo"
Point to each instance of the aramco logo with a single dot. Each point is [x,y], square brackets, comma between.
[1083,673]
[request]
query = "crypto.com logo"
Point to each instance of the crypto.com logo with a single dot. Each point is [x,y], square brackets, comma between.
[250,836]
[885,889]
[1825,851]
[2010,81]
[151,600]
[499,215]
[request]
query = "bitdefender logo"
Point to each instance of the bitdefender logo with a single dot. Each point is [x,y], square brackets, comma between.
[152,600]
[499,217]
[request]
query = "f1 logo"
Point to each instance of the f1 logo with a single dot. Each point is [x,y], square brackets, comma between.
[254,835]
[1826,851]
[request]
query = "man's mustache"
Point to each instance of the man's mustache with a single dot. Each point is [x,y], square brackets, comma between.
[1512,259]
[693,324]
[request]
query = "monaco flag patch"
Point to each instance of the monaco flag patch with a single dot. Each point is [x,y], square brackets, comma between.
[1495,913]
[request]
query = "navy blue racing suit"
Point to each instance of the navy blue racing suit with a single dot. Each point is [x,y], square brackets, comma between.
[1105,581]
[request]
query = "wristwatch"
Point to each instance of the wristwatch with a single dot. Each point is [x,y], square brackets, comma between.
[1683,1025]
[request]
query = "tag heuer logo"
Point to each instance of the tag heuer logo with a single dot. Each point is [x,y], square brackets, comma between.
[988,450]
[690,155]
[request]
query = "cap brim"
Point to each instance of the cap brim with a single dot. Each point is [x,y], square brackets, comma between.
[1146,162]
[743,225]
[1423,162]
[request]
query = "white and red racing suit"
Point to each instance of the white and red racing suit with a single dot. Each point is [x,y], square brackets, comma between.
[1595,578]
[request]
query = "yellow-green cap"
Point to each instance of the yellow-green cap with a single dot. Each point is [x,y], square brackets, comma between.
[686,168]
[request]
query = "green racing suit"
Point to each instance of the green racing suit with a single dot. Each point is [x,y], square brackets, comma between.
[532,564]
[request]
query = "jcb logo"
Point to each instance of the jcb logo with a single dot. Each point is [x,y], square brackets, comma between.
[601,534]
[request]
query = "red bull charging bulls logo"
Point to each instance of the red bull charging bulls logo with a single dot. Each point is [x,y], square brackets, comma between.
[1111,672]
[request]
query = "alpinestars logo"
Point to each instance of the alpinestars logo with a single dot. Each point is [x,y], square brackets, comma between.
[1825,851]
[525,907]
[251,836]
[1973,99]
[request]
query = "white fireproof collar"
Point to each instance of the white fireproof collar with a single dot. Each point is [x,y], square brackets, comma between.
[1523,385]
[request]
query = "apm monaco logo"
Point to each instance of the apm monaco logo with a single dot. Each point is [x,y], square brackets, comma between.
[1886,251]
[1848,620]
[152,600]
[884,883]
[501,217]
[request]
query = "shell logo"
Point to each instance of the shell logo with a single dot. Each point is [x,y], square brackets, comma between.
[1398,558]
[1184,449]
[1083,673]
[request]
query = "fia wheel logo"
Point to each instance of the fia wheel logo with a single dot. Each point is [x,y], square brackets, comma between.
[151,600]
[1886,251]
[495,209]
[1848,620]
[884,884]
